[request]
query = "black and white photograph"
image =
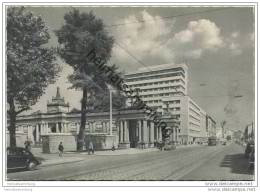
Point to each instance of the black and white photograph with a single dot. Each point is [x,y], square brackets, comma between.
[129,93]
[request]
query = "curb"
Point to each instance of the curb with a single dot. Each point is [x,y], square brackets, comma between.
[61,163]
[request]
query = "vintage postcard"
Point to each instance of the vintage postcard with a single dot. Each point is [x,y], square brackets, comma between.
[129,94]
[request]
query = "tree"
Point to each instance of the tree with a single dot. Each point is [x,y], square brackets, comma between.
[30,66]
[102,102]
[81,34]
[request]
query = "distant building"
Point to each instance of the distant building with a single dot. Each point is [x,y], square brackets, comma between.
[192,118]
[219,134]
[210,126]
[249,133]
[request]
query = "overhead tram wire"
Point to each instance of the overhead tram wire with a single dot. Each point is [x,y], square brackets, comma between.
[162,18]
[129,53]
[168,17]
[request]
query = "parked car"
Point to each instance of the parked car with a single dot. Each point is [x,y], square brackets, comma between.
[20,158]
[251,161]
[249,148]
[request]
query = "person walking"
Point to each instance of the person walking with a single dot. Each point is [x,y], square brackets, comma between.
[90,148]
[61,148]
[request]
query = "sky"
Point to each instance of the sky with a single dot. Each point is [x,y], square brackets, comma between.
[217,44]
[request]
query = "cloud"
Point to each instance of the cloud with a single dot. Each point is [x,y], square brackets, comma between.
[234,43]
[155,41]
[235,48]
[252,36]
[199,36]
[143,39]
[235,34]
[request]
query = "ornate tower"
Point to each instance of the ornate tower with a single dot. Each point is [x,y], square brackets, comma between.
[57,104]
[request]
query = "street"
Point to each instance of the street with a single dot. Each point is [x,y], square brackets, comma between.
[185,163]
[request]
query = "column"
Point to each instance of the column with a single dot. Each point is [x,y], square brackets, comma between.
[159,134]
[151,132]
[121,126]
[107,126]
[57,127]
[65,127]
[41,130]
[77,128]
[62,127]
[119,131]
[29,132]
[126,128]
[46,128]
[145,132]
[176,134]
[103,126]
[94,126]
[140,130]
[37,133]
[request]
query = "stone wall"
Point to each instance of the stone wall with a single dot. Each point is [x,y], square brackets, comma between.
[102,142]
[50,142]
[20,139]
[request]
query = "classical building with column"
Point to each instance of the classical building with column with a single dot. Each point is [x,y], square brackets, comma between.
[131,128]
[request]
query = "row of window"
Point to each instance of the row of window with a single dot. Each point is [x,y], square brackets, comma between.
[193,131]
[157,83]
[194,119]
[193,105]
[156,72]
[156,77]
[193,124]
[194,112]
[173,102]
[162,95]
[163,88]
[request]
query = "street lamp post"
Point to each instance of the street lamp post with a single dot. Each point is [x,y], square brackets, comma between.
[110,118]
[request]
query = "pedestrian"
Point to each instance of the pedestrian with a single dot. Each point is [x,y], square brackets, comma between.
[61,148]
[113,147]
[90,148]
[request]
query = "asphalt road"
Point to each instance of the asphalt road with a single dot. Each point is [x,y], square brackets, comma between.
[188,163]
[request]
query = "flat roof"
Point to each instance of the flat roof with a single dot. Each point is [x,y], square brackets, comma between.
[157,68]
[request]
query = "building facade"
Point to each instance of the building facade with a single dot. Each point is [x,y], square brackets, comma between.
[211,126]
[130,128]
[165,88]
[159,82]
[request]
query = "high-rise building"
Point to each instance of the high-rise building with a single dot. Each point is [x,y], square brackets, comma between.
[165,87]
[158,82]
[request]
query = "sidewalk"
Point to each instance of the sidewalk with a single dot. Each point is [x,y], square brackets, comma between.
[70,157]
[54,159]
[132,151]
[129,151]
